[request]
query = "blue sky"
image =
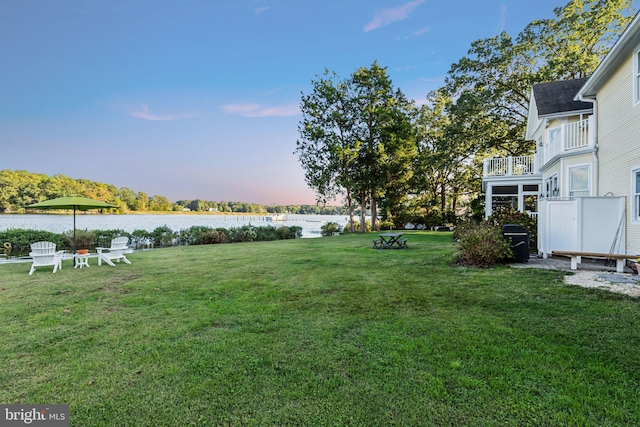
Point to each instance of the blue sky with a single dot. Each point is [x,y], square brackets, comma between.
[200,99]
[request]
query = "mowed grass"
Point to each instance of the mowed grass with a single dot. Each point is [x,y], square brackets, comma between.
[318,332]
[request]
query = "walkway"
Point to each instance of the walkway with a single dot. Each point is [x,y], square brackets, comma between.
[564,264]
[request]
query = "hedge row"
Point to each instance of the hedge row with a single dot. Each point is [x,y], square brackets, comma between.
[21,239]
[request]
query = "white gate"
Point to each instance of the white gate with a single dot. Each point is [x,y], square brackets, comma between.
[588,224]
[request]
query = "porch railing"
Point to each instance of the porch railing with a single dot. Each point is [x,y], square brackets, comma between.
[510,166]
[569,137]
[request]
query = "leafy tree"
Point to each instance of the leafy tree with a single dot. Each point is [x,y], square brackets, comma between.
[388,143]
[327,146]
[160,203]
[356,140]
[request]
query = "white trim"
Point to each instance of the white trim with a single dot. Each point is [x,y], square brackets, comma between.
[589,178]
[635,75]
[634,202]
[550,180]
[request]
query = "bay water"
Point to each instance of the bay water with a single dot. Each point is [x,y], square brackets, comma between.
[59,223]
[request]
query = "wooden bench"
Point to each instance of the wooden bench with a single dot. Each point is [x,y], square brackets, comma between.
[402,243]
[576,258]
[377,243]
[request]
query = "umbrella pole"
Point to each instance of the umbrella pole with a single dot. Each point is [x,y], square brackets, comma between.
[74,231]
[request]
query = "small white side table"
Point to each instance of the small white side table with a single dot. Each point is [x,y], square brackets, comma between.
[82,260]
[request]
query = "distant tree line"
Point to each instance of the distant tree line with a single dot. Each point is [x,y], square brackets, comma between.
[363,141]
[21,188]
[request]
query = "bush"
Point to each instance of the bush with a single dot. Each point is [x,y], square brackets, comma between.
[265,233]
[482,244]
[85,239]
[246,233]
[141,239]
[193,235]
[219,235]
[367,226]
[330,229]
[162,236]
[289,232]
[511,216]
[103,238]
[20,239]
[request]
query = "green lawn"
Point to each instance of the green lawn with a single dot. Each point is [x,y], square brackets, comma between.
[317,332]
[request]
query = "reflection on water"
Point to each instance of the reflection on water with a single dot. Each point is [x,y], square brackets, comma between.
[60,223]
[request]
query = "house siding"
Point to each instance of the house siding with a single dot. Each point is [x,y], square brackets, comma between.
[619,145]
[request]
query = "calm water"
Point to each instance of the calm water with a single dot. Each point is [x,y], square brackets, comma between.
[60,223]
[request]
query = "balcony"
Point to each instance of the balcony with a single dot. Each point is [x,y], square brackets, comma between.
[562,140]
[511,166]
[568,138]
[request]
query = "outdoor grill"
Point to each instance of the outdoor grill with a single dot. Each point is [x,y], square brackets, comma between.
[519,239]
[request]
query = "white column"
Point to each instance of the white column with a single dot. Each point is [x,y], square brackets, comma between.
[488,207]
[520,198]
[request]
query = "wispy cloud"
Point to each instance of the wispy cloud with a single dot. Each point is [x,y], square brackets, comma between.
[143,112]
[420,32]
[259,10]
[503,19]
[257,110]
[387,16]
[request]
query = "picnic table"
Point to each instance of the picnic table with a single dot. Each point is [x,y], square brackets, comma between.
[390,241]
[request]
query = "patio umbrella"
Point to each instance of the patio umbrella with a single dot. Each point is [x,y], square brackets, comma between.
[71,202]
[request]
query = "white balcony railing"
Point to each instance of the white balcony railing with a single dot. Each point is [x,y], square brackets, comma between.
[510,166]
[568,137]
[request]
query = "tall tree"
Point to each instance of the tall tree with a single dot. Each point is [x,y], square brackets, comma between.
[388,143]
[327,144]
[356,140]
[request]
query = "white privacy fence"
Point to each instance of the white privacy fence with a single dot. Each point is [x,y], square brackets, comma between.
[588,224]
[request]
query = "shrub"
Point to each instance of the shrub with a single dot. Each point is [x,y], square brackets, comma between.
[103,238]
[482,244]
[246,233]
[330,229]
[512,216]
[265,233]
[141,239]
[289,232]
[193,235]
[356,224]
[162,236]
[20,239]
[85,239]
[222,235]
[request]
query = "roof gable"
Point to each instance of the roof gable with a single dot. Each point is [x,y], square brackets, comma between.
[558,97]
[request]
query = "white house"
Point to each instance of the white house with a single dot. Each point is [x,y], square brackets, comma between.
[585,175]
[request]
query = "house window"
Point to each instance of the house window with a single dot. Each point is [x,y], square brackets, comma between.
[551,187]
[579,181]
[553,133]
[636,195]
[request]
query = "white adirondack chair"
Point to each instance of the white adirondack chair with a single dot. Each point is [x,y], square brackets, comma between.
[44,254]
[115,252]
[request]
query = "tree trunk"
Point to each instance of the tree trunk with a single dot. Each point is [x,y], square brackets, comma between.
[454,203]
[363,213]
[374,214]
[443,203]
[352,225]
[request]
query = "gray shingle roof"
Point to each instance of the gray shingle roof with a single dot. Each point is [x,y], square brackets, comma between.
[557,97]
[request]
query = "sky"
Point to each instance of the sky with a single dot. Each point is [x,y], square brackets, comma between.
[199,99]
